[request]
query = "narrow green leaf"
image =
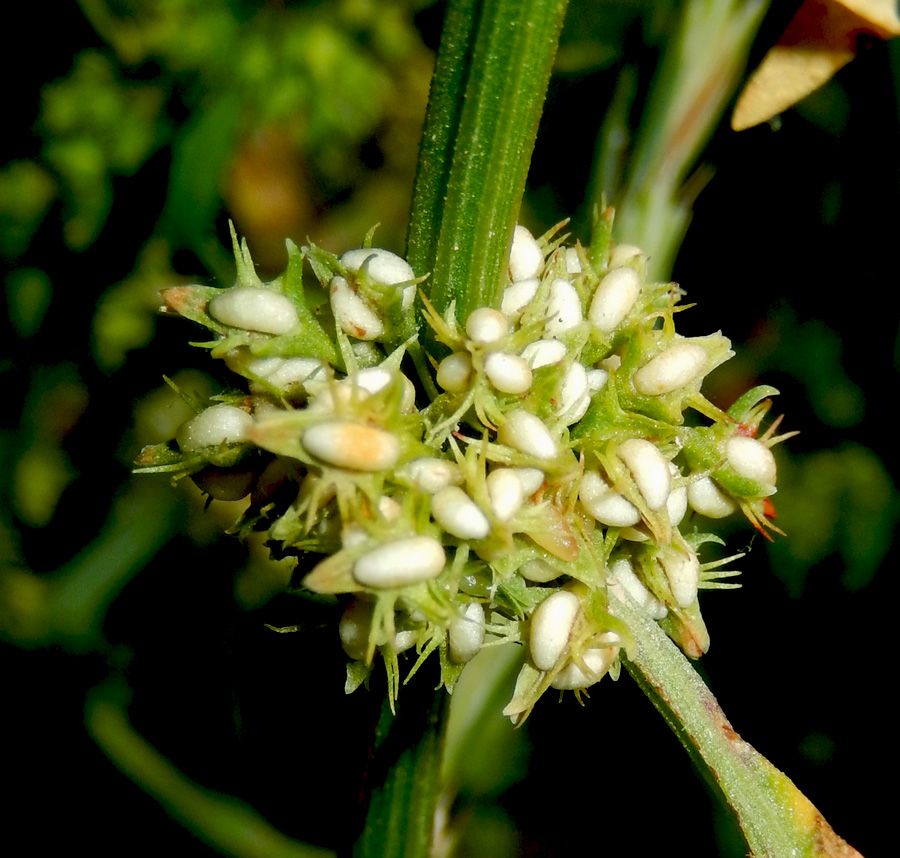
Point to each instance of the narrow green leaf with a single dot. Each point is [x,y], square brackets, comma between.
[776,818]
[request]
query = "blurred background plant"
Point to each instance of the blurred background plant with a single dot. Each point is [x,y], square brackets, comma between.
[128,148]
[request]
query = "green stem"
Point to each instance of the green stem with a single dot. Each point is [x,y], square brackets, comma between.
[776,818]
[475,159]
[700,69]
[486,99]
[403,781]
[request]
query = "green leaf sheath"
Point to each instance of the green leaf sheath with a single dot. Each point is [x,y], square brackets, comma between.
[463,213]
[776,818]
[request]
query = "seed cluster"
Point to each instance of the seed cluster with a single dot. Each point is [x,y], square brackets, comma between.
[549,471]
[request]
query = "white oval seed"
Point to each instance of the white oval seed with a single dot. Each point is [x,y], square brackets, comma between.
[400,562]
[353,446]
[605,504]
[649,468]
[525,256]
[596,659]
[508,373]
[564,308]
[486,325]
[544,353]
[458,514]
[466,633]
[454,372]
[614,298]
[354,316]
[219,424]
[255,309]
[708,499]
[525,432]
[683,573]
[432,475]
[677,366]
[551,625]
[751,459]
[505,492]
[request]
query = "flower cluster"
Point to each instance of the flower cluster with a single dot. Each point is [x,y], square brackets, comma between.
[504,482]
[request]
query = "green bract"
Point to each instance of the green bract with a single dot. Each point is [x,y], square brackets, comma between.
[550,470]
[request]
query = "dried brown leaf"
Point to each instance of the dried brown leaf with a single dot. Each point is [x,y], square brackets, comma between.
[820,39]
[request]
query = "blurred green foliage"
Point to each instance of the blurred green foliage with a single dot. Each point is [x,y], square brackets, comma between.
[159,121]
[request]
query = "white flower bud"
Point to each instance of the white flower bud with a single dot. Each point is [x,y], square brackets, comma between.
[597,379]
[614,298]
[219,424]
[551,625]
[254,309]
[649,468]
[564,309]
[389,508]
[530,478]
[683,573]
[486,325]
[605,504]
[679,365]
[574,394]
[288,372]
[458,514]
[455,371]
[526,432]
[526,259]
[508,373]
[432,475]
[505,492]
[539,571]
[353,446]
[352,314]
[400,562]
[677,504]
[354,629]
[466,633]
[597,660]
[621,573]
[544,353]
[751,459]
[573,263]
[517,297]
[622,254]
[708,499]
[404,639]
[382,265]
[375,378]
